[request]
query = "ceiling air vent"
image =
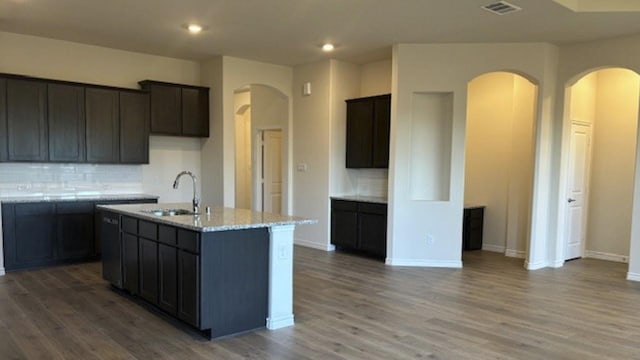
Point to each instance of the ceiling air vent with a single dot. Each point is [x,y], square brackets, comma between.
[501,8]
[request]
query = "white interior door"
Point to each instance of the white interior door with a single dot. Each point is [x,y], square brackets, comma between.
[577,189]
[272,171]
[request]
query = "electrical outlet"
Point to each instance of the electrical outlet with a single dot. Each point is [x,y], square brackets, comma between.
[430,240]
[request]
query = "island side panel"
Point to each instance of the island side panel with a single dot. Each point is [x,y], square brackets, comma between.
[235,279]
[280,277]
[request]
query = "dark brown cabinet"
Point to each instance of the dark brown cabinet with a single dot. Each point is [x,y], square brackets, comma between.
[472,228]
[58,121]
[360,226]
[34,225]
[130,263]
[3,120]
[103,125]
[134,128]
[26,120]
[189,288]
[75,230]
[168,278]
[368,127]
[178,110]
[148,275]
[66,119]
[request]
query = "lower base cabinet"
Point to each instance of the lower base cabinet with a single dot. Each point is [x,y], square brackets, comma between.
[46,233]
[216,282]
[168,279]
[360,226]
[472,228]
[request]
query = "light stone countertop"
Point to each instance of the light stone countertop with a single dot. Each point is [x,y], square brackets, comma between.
[73,197]
[220,219]
[360,198]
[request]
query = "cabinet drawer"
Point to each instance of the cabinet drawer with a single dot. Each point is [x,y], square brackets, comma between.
[75,208]
[189,240]
[344,205]
[371,208]
[167,235]
[148,230]
[129,225]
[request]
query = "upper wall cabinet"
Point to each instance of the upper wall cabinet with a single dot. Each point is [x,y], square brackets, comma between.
[3,120]
[26,120]
[368,125]
[134,127]
[178,110]
[66,123]
[59,121]
[103,126]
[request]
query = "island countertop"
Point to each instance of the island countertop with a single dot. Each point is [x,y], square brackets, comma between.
[220,219]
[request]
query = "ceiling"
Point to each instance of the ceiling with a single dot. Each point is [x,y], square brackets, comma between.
[290,32]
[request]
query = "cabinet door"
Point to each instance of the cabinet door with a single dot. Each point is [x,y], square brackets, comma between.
[27,120]
[189,288]
[344,228]
[168,278]
[35,235]
[66,123]
[166,109]
[149,270]
[111,247]
[359,133]
[195,112]
[381,129]
[372,229]
[130,262]
[3,120]
[75,230]
[134,128]
[103,126]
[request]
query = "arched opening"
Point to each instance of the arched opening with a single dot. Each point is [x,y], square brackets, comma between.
[596,195]
[261,129]
[499,164]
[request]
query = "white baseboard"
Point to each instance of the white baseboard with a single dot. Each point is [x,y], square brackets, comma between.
[456,264]
[279,323]
[606,256]
[2,273]
[535,266]
[493,248]
[633,276]
[556,264]
[516,254]
[314,245]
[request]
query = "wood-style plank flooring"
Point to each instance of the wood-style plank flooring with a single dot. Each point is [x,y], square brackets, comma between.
[346,307]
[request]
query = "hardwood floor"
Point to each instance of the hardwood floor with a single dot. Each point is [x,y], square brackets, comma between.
[346,307]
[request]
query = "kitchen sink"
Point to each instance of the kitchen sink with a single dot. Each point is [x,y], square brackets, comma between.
[168,212]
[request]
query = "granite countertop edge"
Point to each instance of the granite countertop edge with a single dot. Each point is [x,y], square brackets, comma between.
[172,220]
[10,199]
[361,198]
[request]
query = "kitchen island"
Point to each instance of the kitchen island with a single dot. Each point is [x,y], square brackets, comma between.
[223,273]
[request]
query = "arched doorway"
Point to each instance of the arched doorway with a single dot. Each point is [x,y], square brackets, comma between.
[596,193]
[261,139]
[499,159]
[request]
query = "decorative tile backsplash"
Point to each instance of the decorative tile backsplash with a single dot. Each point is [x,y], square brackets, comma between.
[53,179]
[372,182]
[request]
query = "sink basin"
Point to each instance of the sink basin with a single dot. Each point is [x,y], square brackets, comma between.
[168,212]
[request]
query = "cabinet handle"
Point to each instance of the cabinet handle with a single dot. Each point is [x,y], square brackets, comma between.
[110,221]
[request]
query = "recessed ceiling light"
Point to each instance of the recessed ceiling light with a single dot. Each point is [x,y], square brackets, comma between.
[194,28]
[327,47]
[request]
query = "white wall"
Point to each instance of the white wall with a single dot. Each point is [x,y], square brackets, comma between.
[428,233]
[375,78]
[576,61]
[225,75]
[311,132]
[242,110]
[62,60]
[613,163]
[499,158]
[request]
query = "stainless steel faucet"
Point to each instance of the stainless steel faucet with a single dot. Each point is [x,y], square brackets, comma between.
[196,198]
